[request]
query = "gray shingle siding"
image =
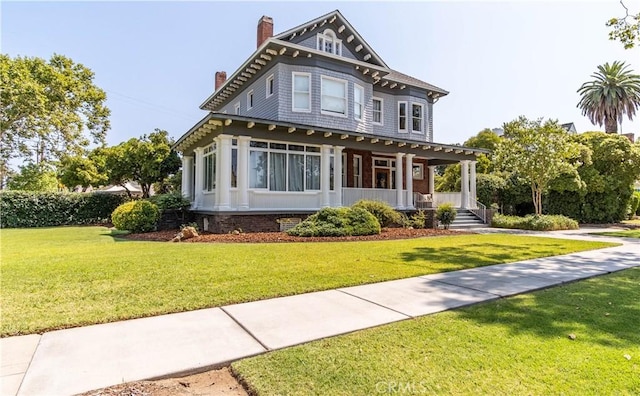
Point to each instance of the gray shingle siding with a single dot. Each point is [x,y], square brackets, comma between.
[263,107]
[310,40]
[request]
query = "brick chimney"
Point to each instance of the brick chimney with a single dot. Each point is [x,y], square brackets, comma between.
[265,29]
[221,77]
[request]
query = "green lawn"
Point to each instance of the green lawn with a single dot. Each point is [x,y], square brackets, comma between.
[515,346]
[625,234]
[69,276]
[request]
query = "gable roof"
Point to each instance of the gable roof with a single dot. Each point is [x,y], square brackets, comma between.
[344,28]
[280,45]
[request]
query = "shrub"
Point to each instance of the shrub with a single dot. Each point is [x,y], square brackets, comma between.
[22,209]
[634,205]
[535,222]
[382,211]
[417,220]
[136,216]
[446,214]
[170,201]
[337,222]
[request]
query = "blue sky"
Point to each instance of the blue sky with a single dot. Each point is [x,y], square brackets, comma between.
[499,60]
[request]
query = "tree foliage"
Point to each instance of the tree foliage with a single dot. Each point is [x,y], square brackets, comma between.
[34,177]
[48,109]
[604,185]
[538,152]
[625,29]
[614,93]
[485,139]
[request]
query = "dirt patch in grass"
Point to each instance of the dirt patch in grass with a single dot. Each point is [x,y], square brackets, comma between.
[215,382]
[277,237]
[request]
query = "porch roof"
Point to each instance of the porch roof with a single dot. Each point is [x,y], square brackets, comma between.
[442,153]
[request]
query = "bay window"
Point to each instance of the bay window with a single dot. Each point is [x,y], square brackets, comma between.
[301,92]
[333,96]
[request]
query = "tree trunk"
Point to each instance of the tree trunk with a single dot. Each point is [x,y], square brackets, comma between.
[610,125]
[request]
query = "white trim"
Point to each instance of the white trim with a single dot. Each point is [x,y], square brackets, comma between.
[329,36]
[421,173]
[293,92]
[381,100]
[344,169]
[345,98]
[250,98]
[272,86]
[406,117]
[421,131]
[356,88]
[236,108]
[357,179]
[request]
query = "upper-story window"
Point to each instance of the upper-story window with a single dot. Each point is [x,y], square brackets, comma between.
[250,100]
[236,108]
[417,117]
[270,86]
[402,116]
[358,101]
[377,111]
[334,96]
[301,92]
[328,42]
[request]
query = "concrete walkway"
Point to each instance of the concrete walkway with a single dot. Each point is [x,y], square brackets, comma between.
[76,360]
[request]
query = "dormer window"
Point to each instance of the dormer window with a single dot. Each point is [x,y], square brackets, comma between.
[328,42]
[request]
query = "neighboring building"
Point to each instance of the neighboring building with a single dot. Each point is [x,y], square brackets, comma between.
[570,127]
[315,118]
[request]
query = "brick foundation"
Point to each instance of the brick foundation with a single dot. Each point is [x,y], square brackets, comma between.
[225,223]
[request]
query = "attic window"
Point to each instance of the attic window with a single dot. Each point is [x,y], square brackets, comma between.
[328,42]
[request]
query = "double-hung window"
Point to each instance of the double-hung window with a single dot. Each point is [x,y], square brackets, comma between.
[377,111]
[333,96]
[250,100]
[357,171]
[328,42]
[358,102]
[402,117]
[270,86]
[283,167]
[301,92]
[209,166]
[236,108]
[417,117]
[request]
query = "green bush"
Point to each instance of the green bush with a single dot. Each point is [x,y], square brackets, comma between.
[24,209]
[170,201]
[446,214]
[417,220]
[634,205]
[136,216]
[535,223]
[336,222]
[382,211]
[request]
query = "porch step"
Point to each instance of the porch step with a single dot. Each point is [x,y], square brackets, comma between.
[465,219]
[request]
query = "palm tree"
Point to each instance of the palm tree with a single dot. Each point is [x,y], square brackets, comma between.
[614,92]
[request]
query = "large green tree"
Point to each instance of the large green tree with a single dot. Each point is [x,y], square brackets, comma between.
[538,152]
[34,177]
[145,160]
[48,109]
[614,93]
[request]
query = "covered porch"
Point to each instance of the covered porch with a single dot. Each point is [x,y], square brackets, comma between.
[235,164]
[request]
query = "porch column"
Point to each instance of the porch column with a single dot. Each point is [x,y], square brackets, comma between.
[243,172]
[464,193]
[409,181]
[325,180]
[187,176]
[399,200]
[432,179]
[472,182]
[199,177]
[337,173]
[223,172]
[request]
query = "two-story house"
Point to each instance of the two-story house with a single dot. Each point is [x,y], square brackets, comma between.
[314,118]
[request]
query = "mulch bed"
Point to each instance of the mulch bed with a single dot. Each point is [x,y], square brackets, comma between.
[278,237]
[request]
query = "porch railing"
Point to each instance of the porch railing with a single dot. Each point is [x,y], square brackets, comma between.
[352,195]
[454,198]
[480,210]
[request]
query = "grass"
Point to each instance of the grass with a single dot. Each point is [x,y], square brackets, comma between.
[632,222]
[625,234]
[55,278]
[515,346]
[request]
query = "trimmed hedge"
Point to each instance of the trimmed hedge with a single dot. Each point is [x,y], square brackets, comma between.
[535,223]
[26,209]
[337,222]
[136,216]
[170,201]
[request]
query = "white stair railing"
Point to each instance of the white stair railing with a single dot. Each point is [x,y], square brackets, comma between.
[480,211]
